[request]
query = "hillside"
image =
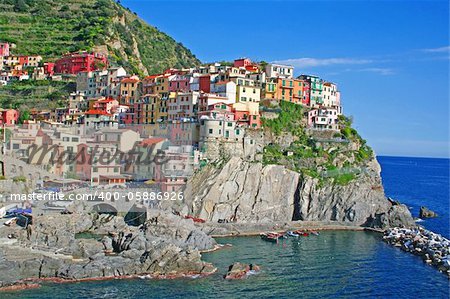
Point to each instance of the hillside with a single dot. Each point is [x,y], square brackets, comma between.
[53,27]
[41,95]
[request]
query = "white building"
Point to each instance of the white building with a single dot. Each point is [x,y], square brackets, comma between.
[274,70]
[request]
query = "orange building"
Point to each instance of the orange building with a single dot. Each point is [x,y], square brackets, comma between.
[292,90]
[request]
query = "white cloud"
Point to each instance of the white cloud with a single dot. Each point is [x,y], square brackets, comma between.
[378,70]
[311,62]
[438,50]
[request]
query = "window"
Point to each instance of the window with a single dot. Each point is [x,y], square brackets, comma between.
[210,131]
[116,169]
[94,169]
[229,124]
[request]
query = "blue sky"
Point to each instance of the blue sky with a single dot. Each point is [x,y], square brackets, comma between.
[389,58]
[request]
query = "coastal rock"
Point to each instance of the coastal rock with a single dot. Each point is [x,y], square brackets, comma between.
[433,248]
[239,270]
[248,192]
[426,213]
[85,246]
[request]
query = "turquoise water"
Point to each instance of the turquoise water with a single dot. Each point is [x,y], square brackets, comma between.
[334,264]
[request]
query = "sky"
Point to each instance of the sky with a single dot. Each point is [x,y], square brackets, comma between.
[390,59]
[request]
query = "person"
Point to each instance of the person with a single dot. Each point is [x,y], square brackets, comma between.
[29,231]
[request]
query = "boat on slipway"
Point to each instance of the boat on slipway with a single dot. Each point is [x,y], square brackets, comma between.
[272,236]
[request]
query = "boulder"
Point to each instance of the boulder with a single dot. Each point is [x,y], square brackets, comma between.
[240,270]
[426,213]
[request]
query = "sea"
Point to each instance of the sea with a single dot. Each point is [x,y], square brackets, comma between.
[334,264]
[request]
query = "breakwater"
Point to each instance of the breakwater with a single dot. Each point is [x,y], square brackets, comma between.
[433,248]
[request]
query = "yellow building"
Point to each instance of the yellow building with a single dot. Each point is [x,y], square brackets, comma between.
[270,90]
[129,90]
[246,90]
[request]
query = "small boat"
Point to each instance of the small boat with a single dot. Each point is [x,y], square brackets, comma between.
[292,234]
[268,237]
[271,236]
[301,233]
[11,221]
[315,233]
[195,219]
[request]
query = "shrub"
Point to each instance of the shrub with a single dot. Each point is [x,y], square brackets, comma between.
[20,178]
[344,179]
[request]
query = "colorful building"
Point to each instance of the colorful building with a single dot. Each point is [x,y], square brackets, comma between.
[246,90]
[73,63]
[323,119]
[9,117]
[129,90]
[316,88]
[4,49]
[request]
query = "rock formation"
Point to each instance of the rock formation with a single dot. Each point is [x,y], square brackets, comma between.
[427,213]
[243,191]
[84,246]
[240,271]
[433,248]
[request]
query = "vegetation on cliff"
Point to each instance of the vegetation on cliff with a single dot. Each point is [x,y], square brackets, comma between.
[42,94]
[52,27]
[338,157]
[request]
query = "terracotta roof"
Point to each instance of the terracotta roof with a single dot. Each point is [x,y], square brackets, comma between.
[150,141]
[93,112]
[105,100]
[153,76]
[129,80]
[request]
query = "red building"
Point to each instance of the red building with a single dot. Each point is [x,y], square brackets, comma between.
[9,116]
[205,83]
[73,63]
[4,49]
[242,62]
[49,68]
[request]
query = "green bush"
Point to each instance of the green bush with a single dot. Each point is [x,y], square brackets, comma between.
[344,179]
[20,178]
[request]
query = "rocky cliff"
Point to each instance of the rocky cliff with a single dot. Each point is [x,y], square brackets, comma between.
[243,191]
[84,246]
[287,173]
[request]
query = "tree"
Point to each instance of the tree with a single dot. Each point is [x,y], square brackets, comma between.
[20,6]
[24,115]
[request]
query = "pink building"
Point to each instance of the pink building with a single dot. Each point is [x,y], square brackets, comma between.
[246,117]
[179,83]
[4,49]
[217,111]
[108,105]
